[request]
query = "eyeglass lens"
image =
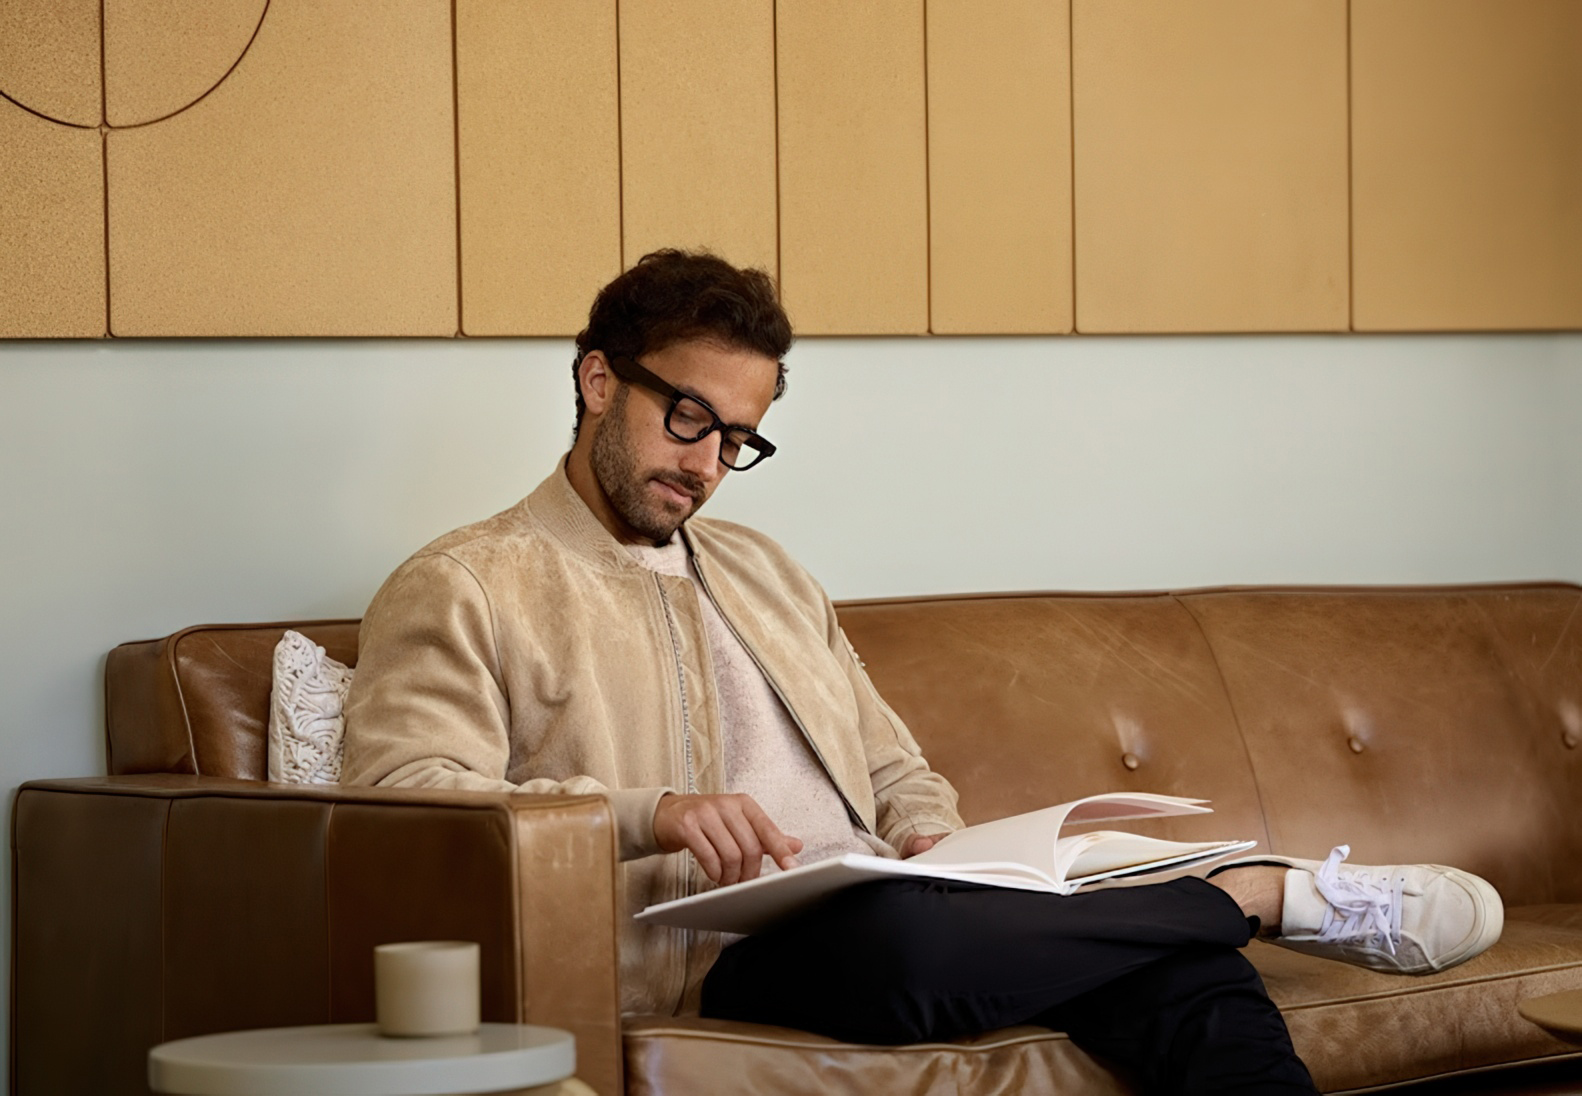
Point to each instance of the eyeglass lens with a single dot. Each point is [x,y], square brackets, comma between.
[690,420]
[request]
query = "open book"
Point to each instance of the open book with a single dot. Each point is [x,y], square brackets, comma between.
[1023,852]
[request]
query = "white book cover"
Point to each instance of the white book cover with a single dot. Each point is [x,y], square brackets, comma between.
[1023,852]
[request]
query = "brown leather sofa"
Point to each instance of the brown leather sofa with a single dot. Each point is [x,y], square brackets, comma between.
[181,895]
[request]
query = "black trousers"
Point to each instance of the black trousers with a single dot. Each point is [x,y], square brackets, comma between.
[1147,977]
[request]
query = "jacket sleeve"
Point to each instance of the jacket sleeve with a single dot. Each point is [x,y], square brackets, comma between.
[909,797]
[428,707]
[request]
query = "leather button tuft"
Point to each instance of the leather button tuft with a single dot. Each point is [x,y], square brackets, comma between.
[1130,761]
[1570,738]
[1355,743]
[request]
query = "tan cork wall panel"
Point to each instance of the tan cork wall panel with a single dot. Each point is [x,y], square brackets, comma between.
[698,128]
[1467,164]
[49,58]
[161,56]
[311,193]
[999,166]
[853,166]
[539,150]
[51,228]
[1211,165]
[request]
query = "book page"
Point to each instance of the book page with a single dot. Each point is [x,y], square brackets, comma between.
[1106,851]
[1032,838]
[1115,806]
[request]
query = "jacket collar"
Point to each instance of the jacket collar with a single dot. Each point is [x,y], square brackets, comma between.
[562,511]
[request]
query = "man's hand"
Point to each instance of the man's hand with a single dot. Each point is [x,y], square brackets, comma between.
[921,842]
[728,834]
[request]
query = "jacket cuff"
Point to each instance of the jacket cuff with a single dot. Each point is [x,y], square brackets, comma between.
[634,820]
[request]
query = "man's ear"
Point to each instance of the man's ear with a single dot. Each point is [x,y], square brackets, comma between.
[596,381]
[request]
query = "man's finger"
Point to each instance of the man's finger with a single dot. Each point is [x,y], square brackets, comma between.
[697,841]
[781,848]
[727,853]
[747,839]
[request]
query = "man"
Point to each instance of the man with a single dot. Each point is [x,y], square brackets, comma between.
[598,637]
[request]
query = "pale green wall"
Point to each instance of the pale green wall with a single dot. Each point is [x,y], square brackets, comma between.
[149,485]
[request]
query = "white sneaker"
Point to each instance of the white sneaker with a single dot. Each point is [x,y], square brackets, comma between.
[1403,918]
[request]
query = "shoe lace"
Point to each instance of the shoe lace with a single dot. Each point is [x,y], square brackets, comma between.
[1361,908]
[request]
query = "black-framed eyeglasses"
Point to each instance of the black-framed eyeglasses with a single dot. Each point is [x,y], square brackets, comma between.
[689,419]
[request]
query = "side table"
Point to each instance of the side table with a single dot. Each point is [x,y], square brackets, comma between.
[355,1060]
[1560,1014]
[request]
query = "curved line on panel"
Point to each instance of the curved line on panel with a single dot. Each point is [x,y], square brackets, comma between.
[227,75]
[40,114]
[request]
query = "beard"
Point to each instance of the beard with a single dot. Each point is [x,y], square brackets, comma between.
[615,467]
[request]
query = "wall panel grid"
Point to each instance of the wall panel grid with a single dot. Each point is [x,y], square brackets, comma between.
[482,167]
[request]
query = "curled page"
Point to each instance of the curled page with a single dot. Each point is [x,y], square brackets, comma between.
[1033,838]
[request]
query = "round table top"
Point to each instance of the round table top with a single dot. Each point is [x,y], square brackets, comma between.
[1560,1014]
[355,1060]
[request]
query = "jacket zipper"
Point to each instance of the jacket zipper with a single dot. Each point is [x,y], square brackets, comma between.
[691,783]
[774,685]
[681,684]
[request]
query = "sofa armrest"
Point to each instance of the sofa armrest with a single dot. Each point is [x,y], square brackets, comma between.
[149,908]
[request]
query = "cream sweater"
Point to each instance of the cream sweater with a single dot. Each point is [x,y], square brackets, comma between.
[766,756]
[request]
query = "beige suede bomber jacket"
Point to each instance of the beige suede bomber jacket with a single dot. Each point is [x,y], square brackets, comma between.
[531,652]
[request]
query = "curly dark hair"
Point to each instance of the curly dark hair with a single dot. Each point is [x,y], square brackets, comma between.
[672,296]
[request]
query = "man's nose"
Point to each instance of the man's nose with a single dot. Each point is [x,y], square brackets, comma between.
[702,458]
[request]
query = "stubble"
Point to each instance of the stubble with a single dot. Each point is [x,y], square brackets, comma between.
[615,467]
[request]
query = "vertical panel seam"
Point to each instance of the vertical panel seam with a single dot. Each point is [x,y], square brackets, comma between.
[1071,145]
[104,187]
[104,89]
[774,59]
[620,150]
[518,915]
[455,133]
[928,190]
[104,162]
[329,921]
[1351,190]
[164,921]
[1230,702]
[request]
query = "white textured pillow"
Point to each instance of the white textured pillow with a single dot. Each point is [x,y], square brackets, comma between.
[306,725]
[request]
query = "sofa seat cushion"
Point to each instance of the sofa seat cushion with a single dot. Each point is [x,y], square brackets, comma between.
[1355,1028]
[696,1056]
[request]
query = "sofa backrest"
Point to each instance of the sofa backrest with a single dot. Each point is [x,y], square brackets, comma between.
[198,701]
[1431,724]
[1440,724]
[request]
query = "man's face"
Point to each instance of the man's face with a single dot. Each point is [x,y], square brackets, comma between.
[652,481]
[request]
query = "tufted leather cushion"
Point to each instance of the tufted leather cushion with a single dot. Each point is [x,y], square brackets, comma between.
[1438,725]
[1416,725]
[1025,701]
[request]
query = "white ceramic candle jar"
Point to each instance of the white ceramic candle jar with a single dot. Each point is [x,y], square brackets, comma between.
[426,987]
